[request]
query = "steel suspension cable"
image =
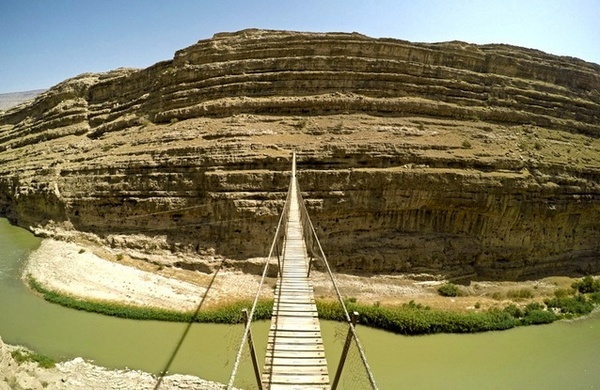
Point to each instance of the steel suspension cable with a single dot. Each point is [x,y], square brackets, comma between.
[264,273]
[304,211]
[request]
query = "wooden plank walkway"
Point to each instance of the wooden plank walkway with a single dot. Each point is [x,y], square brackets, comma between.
[295,356]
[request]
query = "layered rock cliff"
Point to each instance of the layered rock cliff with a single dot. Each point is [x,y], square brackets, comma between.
[447,158]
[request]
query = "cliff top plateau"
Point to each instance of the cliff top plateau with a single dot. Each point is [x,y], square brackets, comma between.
[449,159]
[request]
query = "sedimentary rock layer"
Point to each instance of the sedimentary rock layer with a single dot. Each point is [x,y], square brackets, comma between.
[448,158]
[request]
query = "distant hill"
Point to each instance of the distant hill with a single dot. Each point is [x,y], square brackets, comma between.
[8,100]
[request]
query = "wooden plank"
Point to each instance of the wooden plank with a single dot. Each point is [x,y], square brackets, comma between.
[297,340]
[295,356]
[296,308]
[297,347]
[299,322]
[294,362]
[292,326]
[294,290]
[299,379]
[297,334]
[295,299]
[303,314]
[308,307]
[301,306]
[280,386]
[300,311]
[301,370]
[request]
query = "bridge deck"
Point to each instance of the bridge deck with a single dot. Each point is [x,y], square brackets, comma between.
[295,356]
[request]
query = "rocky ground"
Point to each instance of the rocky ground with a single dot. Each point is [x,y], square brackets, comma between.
[78,374]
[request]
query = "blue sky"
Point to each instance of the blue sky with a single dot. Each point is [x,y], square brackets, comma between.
[44,42]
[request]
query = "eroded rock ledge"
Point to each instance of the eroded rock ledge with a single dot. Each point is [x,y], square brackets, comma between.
[447,158]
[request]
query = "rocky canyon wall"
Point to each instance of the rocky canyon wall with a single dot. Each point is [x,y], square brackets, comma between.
[449,158]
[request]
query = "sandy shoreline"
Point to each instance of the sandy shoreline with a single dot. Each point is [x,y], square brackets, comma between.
[74,270]
[93,273]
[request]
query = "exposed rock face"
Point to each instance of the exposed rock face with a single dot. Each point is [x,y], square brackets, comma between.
[448,158]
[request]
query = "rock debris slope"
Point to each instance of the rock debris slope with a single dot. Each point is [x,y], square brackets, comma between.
[446,158]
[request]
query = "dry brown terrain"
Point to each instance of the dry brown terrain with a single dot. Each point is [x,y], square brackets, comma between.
[92,273]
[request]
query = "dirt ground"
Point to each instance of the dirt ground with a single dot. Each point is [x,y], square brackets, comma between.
[95,273]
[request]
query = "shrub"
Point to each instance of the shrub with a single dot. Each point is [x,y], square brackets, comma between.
[449,290]
[587,285]
[533,306]
[577,305]
[523,293]
[415,319]
[595,297]
[414,305]
[466,144]
[496,295]
[563,292]
[513,310]
[537,317]
[22,356]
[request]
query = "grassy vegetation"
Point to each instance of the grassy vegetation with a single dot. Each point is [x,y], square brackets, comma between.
[586,297]
[23,356]
[408,319]
[415,319]
[226,314]
[587,285]
[449,290]
[520,294]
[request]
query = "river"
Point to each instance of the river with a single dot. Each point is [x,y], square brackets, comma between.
[562,355]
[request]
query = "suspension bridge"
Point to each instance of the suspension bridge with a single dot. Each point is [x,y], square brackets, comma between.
[295,357]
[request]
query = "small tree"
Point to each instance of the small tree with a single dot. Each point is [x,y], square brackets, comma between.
[449,290]
[587,285]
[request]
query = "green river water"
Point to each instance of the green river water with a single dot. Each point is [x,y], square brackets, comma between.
[563,355]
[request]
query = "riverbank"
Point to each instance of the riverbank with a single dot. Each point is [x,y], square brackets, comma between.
[93,273]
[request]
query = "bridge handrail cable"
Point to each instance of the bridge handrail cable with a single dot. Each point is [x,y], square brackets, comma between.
[280,230]
[307,223]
